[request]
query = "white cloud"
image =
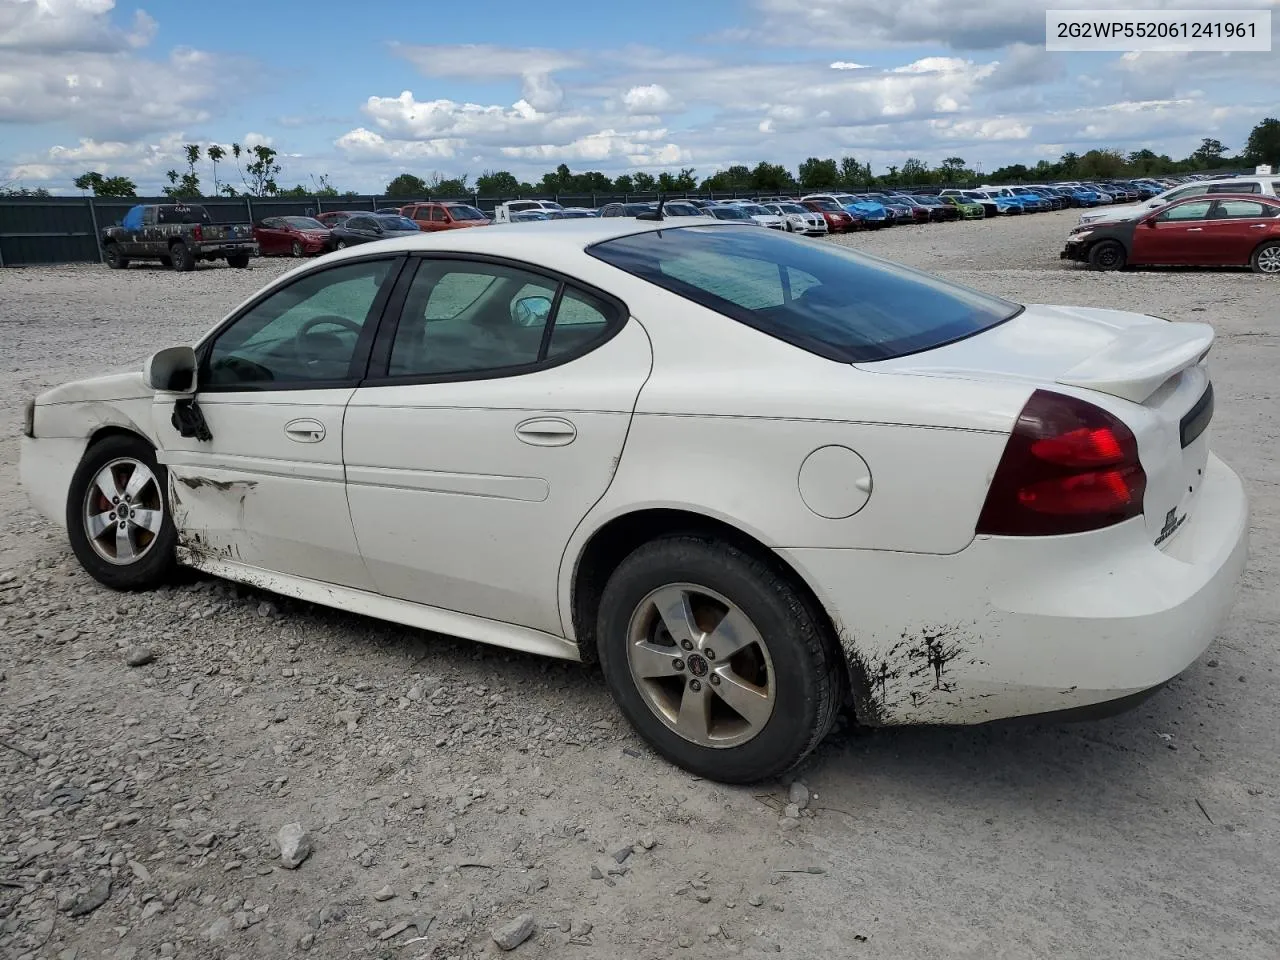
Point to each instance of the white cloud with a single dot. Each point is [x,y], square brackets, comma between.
[62,26]
[650,98]
[847,65]
[365,143]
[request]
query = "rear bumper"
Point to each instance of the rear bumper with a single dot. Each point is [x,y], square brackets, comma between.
[216,249]
[1014,627]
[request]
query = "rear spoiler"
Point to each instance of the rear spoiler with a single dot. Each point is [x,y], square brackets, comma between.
[1141,359]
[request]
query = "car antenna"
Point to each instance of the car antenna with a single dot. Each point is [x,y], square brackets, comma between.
[656,214]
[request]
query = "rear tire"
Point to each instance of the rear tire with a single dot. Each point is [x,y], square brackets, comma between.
[786,675]
[115,259]
[128,464]
[1107,255]
[181,257]
[238,260]
[1266,259]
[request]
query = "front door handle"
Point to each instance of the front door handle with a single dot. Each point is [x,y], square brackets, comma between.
[304,431]
[1258,226]
[547,432]
[1195,229]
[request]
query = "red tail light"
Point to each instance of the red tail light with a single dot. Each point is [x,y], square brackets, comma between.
[197,234]
[1068,467]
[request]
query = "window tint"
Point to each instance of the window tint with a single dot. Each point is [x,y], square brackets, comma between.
[1251,186]
[1195,210]
[183,213]
[462,317]
[360,223]
[824,298]
[305,332]
[1241,209]
[579,319]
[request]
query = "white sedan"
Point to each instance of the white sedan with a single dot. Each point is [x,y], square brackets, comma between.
[756,477]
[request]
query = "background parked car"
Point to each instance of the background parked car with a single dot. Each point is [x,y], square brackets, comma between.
[727,211]
[504,211]
[432,217]
[292,236]
[331,218]
[937,209]
[578,213]
[919,212]
[367,227]
[625,209]
[798,219]
[839,220]
[1267,186]
[177,235]
[681,208]
[1210,231]
[871,213]
[766,218]
[967,209]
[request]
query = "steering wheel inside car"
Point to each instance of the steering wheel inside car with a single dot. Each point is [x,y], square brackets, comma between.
[300,338]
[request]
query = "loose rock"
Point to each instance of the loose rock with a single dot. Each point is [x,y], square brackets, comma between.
[515,932]
[295,845]
[138,656]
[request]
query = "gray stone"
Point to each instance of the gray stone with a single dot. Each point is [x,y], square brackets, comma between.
[295,845]
[92,899]
[799,795]
[515,932]
[386,893]
[138,656]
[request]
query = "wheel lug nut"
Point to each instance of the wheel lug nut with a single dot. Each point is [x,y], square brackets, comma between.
[687,644]
[678,664]
[111,517]
[709,653]
[715,680]
[695,686]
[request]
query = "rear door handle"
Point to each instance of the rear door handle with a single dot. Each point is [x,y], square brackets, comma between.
[304,430]
[547,432]
[1195,229]
[1258,226]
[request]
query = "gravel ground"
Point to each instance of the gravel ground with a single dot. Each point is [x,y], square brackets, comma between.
[451,793]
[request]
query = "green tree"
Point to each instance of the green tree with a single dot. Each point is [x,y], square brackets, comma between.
[1263,145]
[106,186]
[645,182]
[1102,164]
[853,174]
[818,174]
[215,154]
[1209,154]
[182,186]
[666,182]
[624,184]
[915,171]
[321,187]
[1014,173]
[296,192]
[1068,163]
[497,183]
[449,189]
[952,170]
[685,179]
[736,177]
[773,177]
[260,173]
[407,186]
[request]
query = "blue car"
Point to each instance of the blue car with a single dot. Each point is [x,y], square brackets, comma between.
[1082,196]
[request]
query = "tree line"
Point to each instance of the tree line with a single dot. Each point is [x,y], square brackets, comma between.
[257,169]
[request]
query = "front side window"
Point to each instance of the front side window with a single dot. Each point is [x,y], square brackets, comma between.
[1196,191]
[361,223]
[437,215]
[462,317]
[823,298]
[1193,210]
[304,333]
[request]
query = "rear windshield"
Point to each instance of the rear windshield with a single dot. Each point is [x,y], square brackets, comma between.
[182,213]
[825,298]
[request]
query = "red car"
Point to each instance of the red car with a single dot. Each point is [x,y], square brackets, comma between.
[431,217]
[1224,230]
[838,219]
[292,236]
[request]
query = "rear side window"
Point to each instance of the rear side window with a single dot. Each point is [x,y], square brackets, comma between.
[1243,187]
[1242,209]
[824,298]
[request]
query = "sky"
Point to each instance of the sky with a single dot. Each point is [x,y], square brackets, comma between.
[363,91]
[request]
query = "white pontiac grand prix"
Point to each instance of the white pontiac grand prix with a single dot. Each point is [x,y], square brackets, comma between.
[756,477]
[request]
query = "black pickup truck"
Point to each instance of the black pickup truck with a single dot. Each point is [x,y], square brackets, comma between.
[178,235]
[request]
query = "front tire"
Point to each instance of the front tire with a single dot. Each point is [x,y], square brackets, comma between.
[1266,259]
[341,245]
[296,249]
[115,259]
[1107,255]
[118,518]
[747,711]
[238,260]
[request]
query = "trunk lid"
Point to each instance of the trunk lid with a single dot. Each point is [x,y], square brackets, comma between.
[1147,371]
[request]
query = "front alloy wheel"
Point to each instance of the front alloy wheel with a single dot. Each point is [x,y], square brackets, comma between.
[123,511]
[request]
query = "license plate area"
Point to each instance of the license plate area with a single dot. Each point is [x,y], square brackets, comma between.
[1196,420]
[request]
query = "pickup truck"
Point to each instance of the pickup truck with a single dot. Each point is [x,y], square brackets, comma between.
[178,235]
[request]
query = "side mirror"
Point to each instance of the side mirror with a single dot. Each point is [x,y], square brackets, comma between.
[530,311]
[1149,222]
[172,370]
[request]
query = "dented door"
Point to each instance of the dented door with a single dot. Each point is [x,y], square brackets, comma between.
[267,490]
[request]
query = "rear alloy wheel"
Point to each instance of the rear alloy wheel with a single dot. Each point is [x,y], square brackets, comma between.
[296,249]
[181,258]
[716,659]
[1266,259]
[1107,255]
[118,520]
